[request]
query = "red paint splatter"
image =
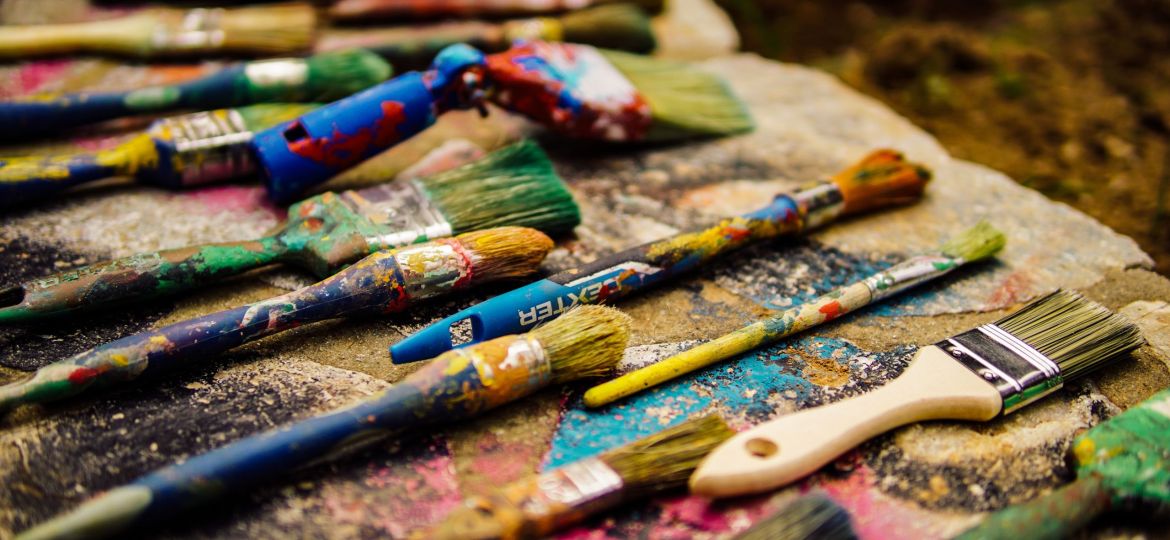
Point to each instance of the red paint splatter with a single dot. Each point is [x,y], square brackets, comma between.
[82,375]
[736,234]
[1013,290]
[832,310]
[30,78]
[341,150]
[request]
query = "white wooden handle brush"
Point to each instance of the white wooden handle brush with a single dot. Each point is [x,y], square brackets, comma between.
[977,375]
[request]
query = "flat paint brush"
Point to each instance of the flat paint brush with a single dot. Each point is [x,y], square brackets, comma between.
[883,178]
[160,32]
[364,10]
[321,78]
[457,385]
[978,375]
[514,186]
[621,27]
[385,282]
[1122,465]
[974,244]
[538,506]
[810,517]
[178,152]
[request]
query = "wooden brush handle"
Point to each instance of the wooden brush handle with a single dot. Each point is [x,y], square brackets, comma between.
[126,35]
[785,449]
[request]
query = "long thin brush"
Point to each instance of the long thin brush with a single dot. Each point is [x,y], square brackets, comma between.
[883,178]
[157,32]
[811,517]
[364,10]
[321,78]
[183,151]
[452,387]
[514,186]
[386,282]
[978,375]
[1122,464]
[974,244]
[537,506]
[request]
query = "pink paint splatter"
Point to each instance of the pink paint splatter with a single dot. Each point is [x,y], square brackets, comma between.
[1014,289]
[232,198]
[30,77]
[875,516]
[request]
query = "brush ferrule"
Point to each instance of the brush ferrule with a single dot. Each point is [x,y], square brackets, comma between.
[433,268]
[584,486]
[1020,372]
[279,73]
[400,211]
[908,274]
[525,356]
[819,203]
[200,29]
[207,146]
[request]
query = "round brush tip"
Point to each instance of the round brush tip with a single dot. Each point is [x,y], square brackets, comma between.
[586,341]
[505,252]
[979,242]
[882,178]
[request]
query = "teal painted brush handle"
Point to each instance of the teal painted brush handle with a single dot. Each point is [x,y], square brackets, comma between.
[1051,517]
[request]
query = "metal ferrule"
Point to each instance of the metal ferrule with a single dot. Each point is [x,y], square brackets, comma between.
[401,211]
[907,274]
[431,269]
[279,73]
[819,203]
[539,28]
[200,29]
[1020,373]
[208,146]
[584,486]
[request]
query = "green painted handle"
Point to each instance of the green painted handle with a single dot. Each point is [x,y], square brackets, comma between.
[1050,517]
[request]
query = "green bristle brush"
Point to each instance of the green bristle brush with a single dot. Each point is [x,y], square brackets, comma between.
[321,78]
[514,186]
[811,517]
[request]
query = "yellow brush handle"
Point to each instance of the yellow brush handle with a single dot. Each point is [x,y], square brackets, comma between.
[124,35]
[775,453]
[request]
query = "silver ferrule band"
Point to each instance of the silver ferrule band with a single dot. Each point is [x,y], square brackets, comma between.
[585,486]
[278,73]
[208,146]
[1017,370]
[819,203]
[201,29]
[400,212]
[431,269]
[908,274]
[528,354]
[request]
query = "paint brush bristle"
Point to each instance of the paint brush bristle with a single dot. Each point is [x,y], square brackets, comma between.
[337,74]
[685,101]
[807,518]
[269,29]
[505,252]
[1078,334]
[513,186]
[619,26]
[665,460]
[977,243]
[584,342]
[883,178]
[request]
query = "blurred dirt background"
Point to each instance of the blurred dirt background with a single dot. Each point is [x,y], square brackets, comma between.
[1069,97]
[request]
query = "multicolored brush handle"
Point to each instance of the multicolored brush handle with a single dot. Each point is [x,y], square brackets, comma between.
[355,9]
[455,386]
[386,281]
[614,277]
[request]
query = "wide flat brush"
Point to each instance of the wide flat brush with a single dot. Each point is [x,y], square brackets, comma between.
[385,282]
[972,245]
[321,78]
[537,506]
[364,10]
[514,186]
[978,375]
[810,517]
[454,386]
[159,32]
[883,178]
[1122,465]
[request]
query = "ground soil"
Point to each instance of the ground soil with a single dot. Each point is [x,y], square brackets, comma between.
[1069,97]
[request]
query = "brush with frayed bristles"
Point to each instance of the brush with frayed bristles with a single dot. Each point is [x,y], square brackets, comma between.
[978,375]
[537,506]
[385,282]
[321,78]
[514,186]
[810,517]
[974,244]
[159,32]
[457,385]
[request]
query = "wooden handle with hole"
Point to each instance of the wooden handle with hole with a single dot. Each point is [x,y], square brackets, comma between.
[780,451]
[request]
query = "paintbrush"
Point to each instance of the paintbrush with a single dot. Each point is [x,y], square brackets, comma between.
[364,10]
[537,506]
[811,517]
[385,282]
[974,244]
[321,78]
[575,90]
[515,186]
[620,27]
[882,179]
[1122,464]
[182,151]
[454,386]
[978,375]
[159,32]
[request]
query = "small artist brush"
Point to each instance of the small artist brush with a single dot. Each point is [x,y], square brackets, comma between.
[364,10]
[621,27]
[883,178]
[978,375]
[321,78]
[575,90]
[1122,464]
[974,244]
[385,282]
[457,385]
[810,517]
[537,506]
[157,32]
[514,186]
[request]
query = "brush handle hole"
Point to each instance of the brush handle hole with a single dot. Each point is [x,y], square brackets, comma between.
[295,132]
[761,448]
[461,332]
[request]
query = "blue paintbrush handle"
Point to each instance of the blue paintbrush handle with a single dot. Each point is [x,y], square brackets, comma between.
[24,179]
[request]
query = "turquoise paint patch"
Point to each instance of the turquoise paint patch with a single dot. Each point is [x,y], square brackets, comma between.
[152,98]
